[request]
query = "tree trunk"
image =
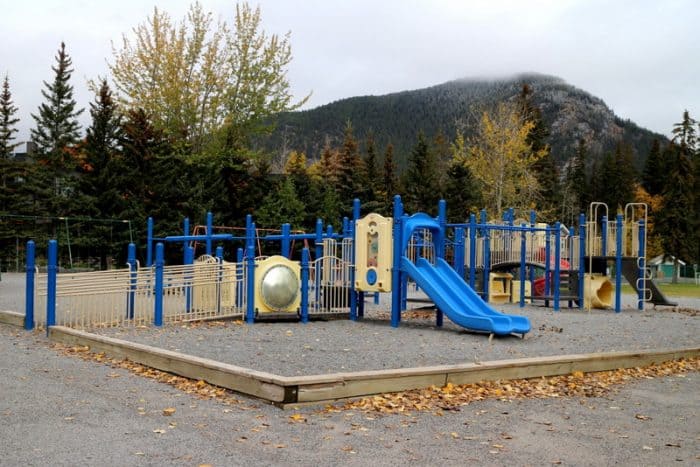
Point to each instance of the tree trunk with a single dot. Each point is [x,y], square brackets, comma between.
[676,270]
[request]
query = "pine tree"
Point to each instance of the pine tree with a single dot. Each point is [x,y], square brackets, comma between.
[676,222]
[281,206]
[617,178]
[544,168]
[421,181]
[578,182]
[461,193]
[390,181]
[8,121]
[98,183]
[57,128]
[349,169]
[684,134]
[654,170]
[56,136]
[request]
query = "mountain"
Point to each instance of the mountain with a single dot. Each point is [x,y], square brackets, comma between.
[570,114]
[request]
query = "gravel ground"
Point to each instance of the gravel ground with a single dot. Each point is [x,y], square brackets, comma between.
[61,410]
[290,348]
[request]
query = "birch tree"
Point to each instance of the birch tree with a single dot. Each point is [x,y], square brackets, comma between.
[500,158]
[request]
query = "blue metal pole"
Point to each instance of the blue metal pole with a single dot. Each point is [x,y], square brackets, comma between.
[250,292]
[547,264]
[582,259]
[533,221]
[158,293]
[249,232]
[210,231]
[487,263]
[404,276]
[189,261]
[604,236]
[305,285]
[523,246]
[52,270]
[459,251]
[396,267]
[618,264]
[318,243]
[356,205]
[29,287]
[472,251]
[149,242]
[133,275]
[186,232]
[286,243]
[557,265]
[642,265]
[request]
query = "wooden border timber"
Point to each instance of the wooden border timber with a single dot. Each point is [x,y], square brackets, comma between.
[287,391]
[12,318]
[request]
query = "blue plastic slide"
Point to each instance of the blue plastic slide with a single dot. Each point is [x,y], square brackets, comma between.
[458,301]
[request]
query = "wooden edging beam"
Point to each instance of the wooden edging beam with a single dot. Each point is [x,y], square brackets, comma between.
[287,391]
[12,318]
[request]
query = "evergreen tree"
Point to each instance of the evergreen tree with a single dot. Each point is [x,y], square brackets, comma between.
[350,169]
[99,194]
[677,224]
[372,200]
[544,168]
[654,170]
[8,121]
[421,182]
[56,136]
[390,181]
[57,128]
[281,206]
[461,193]
[617,178]
[684,134]
[578,182]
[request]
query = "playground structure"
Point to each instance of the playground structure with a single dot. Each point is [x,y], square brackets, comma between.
[461,267]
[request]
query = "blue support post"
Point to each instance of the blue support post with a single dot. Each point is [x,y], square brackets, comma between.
[29,287]
[158,292]
[185,232]
[487,263]
[318,242]
[133,275]
[220,276]
[210,231]
[189,261]
[404,276]
[557,264]
[523,262]
[376,298]
[459,251]
[642,265]
[149,242]
[286,240]
[396,267]
[582,260]
[472,251]
[249,233]
[547,264]
[304,285]
[52,270]
[604,236]
[570,258]
[618,264]
[250,291]
[533,221]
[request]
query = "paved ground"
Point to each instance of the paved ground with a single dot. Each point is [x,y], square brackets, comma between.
[61,410]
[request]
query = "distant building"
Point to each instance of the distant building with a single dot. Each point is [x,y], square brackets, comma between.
[24,151]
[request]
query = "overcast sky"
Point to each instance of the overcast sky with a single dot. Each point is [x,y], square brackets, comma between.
[641,57]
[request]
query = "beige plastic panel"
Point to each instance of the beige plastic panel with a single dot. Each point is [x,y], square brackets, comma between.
[373,252]
[261,269]
[499,287]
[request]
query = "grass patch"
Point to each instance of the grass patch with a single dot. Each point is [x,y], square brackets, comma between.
[671,290]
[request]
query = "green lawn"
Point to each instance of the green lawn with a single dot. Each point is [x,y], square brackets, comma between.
[672,290]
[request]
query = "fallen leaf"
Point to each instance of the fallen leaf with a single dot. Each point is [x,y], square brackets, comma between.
[169,411]
[297,418]
[642,417]
[160,431]
[647,448]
